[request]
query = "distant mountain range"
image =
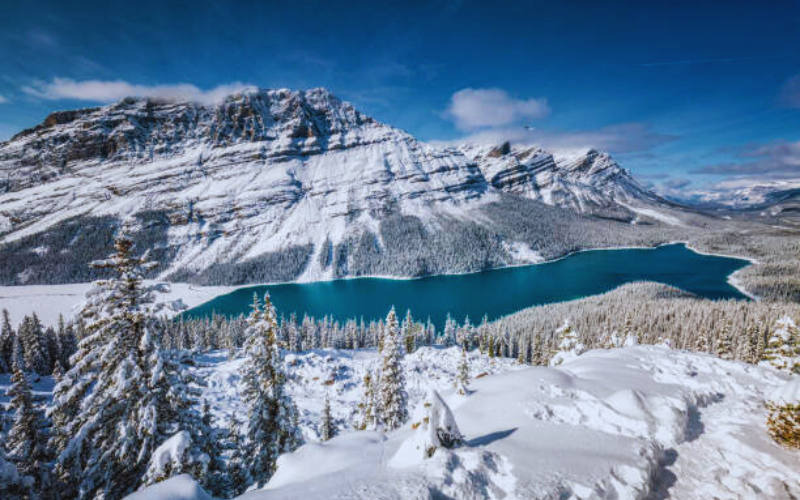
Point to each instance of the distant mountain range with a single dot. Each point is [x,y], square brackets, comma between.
[744,194]
[775,202]
[280,185]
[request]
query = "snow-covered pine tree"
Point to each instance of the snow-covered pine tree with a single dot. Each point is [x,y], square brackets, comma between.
[50,339]
[58,372]
[464,334]
[367,410]
[430,332]
[34,349]
[702,343]
[308,332]
[178,454]
[462,383]
[761,343]
[628,330]
[537,352]
[328,426]
[12,484]
[67,343]
[26,442]
[7,336]
[186,338]
[392,396]
[568,344]
[165,406]
[215,478]
[119,401]
[501,347]
[724,344]
[407,332]
[522,349]
[483,331]
[272,416]
[783,351]
[17,355]
[238,475]
[448,337]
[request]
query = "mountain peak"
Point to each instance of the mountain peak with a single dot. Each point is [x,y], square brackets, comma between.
[272,122]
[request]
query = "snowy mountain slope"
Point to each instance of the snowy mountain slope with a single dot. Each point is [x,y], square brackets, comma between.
[590,182]
[280,185]
[630,423]
[259,173]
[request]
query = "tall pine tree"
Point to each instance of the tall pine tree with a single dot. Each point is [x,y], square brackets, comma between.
[26,442]
[121,398]
[328,426]
[34,347]
[392,397]
[7,336]
[368,409]
[272,426]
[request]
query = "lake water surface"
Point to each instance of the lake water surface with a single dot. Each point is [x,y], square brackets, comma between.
[495,292]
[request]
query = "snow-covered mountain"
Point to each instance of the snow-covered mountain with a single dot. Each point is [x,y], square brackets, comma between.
[280,185]
[774,202]
[743,194]
[590,182]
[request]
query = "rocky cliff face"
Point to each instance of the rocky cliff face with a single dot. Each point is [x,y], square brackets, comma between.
[590,182]
[281,185]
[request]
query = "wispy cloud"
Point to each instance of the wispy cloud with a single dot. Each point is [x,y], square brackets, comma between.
[776,160]
[689,62]
[3,99]
[620,138]
[790,92]
[114,90]
[472,109]
[676,183]
[656,176]
[41,39]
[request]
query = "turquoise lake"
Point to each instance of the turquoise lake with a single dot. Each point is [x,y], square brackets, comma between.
[495,292]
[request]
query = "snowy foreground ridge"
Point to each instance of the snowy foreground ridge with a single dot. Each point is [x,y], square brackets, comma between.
[630,423]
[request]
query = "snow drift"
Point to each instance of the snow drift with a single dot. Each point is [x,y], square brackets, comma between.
[628,423]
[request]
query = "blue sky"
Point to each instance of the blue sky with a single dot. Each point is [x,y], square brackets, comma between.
[684,93]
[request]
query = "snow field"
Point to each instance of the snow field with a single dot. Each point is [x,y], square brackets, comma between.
[629,423]
[48,301]
[338,374]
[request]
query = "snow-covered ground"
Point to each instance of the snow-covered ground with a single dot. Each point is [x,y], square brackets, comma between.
[338,374]
[637,422]
[48,301]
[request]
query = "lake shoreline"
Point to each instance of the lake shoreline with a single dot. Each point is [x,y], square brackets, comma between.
[685,243]
[674,264]
[25,302]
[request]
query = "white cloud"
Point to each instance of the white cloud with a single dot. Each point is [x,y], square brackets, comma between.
[478,108]
[621,138]
[3,99]
[775,160]
[114,90]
